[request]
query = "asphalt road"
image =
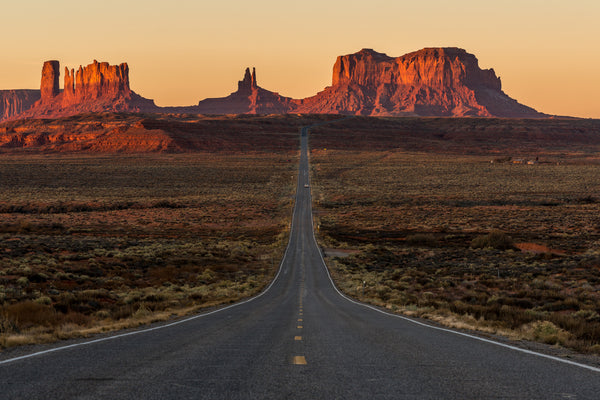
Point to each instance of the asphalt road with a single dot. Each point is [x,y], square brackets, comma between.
[300,339]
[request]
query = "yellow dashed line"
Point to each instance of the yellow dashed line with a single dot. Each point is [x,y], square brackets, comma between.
[297,337]
[299,319]
[299,360]
[299,326]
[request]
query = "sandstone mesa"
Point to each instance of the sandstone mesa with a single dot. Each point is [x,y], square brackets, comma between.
[428,82]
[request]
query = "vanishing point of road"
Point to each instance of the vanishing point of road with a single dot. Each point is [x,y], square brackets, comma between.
[299,339]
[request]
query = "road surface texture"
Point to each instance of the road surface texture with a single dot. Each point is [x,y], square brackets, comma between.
[300,339]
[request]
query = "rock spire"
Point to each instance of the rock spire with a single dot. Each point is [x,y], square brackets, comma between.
[49,86]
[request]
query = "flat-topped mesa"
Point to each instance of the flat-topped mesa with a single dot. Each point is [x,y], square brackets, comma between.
[49,85]
[444,81]
[360,67]
[14,102]
[433,67]
[97,87]
[94,81]
[449,67]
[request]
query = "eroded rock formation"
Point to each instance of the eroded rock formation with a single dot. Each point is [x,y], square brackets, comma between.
[49,86]
[428,82]
[14,102]
[97,80]
[97,87]
[248,84]
[248,99]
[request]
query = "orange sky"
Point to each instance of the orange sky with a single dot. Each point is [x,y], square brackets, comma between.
[182,51]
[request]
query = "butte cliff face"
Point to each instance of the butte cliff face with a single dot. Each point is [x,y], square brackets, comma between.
[248,99]
[14,102]
[98,87]
[428,82]
[49,86]
[96,81]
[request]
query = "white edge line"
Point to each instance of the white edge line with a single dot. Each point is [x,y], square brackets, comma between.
[197,316]
[531,352]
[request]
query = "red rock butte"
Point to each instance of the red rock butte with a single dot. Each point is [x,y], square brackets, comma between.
[98,87]
[95,81]
[428,82]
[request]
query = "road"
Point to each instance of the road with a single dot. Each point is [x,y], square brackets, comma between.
[300,339]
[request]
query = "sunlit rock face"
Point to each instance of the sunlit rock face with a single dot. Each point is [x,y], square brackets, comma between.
[428,82]
[49,85]
[95,81]
[97,87]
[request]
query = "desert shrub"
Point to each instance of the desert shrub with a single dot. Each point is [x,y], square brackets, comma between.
[421,239]
[495,240]
[7,325]
[142,312]
[29,313]
[547,332]
[588,315]
[122,312]
[75,318]
[23,281]
[44,300]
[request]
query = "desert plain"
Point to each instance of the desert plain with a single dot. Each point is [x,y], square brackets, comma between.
[113,220]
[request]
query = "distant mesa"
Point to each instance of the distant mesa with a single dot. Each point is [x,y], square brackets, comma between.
[98,87]
[97,80]
[15,102]
[428,82]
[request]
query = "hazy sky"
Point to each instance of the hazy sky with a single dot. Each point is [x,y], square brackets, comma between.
[547,52]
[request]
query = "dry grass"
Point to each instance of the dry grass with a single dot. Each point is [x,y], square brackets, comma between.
[99,243]
[437,236]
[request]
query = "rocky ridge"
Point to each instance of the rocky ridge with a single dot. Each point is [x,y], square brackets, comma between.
[14,102]
[428,82]
[98,87]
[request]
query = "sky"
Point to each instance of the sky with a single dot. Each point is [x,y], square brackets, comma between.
[547,52]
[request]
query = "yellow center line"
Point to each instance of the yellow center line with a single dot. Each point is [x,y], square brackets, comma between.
[297,337]
[299,360]
[299,319]
[299,326]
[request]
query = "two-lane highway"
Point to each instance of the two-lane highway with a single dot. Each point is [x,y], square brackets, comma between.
[300,339]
